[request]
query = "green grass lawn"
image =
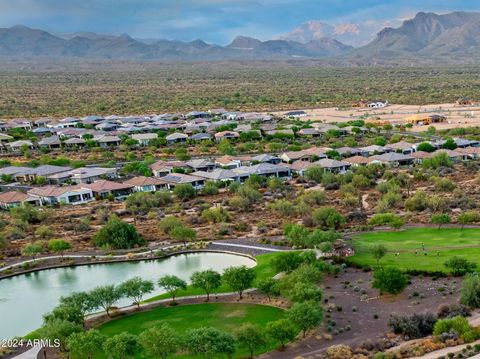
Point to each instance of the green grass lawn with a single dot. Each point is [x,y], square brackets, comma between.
[223,316]
[448,242]
[263,269]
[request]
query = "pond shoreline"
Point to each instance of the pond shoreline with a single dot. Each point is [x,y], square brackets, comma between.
[120,260]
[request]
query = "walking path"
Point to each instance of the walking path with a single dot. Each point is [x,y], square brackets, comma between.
[29,354]
[268,249]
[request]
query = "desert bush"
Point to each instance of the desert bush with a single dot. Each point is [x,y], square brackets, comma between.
[453,310]
[340,351]
[415,326]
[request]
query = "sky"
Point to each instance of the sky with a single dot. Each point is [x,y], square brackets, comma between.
[215,21]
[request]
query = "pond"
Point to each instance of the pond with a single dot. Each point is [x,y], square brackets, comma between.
[25,298]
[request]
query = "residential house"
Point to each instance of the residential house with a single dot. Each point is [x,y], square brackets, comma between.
[174,179]
[163,168]
[351,151]
[425,119]
[374,150]
[286,132]
[144,138]
[17,146]
[419,156]
[12,199]
[266,158]
[5,138]
[107,126]
[108,141]
[32,174]
[11,171]
[469,152]
[83,175]
[176,138]
[356,161]
[201,164]
[104,189]
[263,169]
[401,147]
[295,114]
[333,166]
[218,174]
[300,167]
[62,194]
[74,142]
[146,184]
[51,143]
[43,131]
[228,162]
[201,137]
[452,154]
[309,132]
[393,159]
[226,135]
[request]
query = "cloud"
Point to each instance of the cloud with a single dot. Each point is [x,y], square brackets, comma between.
[216,20]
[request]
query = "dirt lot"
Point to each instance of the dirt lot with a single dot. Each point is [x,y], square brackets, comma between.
[457,116]
[365,312]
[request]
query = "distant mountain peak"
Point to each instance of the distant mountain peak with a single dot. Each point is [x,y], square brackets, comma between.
[244,42]
[427,37]
[347,33]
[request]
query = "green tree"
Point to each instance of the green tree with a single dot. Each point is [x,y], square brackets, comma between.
[468,217]
[139,203]
[389,219]
[306,315]
[172,284]
[328,218]
[85,344]
[426,147]
[160,341]
[441,219]
[44,232]
[183,234]
[210,188]
[80,300]
[460,266]
[209,342]
[184,191]
[314,173]
[168,223]
[32,250]
[27,214]
[470,294]
[117,234]
[304,292]
[135,289]
[378,251]
[104,297]
[121,346]
[207,280]
[269,287]
[59,246]
[287,262]
[282,330]
[239,278]
[64,312]
[389,280]
[251,337]
[450,144]
[59,329]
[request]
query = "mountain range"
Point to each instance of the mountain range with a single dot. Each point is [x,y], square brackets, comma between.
[353,34]
[428,37]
